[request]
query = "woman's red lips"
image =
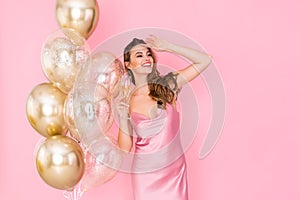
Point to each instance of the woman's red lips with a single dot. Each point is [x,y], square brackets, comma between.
[146,64]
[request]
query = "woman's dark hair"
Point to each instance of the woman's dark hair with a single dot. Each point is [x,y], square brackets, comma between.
[163,89]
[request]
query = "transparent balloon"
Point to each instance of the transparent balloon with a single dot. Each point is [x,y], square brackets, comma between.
[69,116]
[95,87]
[63,54]
[101,154]
[92,111]
[105,151]
[103,108]
[107,70]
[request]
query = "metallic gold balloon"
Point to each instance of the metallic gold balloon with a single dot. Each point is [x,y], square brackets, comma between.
[63,54]
[44,109]
[80,15]
[60,162]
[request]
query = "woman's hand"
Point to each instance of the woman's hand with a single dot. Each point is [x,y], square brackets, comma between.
[199,60]
[123,98]
[157,43]
[122,109]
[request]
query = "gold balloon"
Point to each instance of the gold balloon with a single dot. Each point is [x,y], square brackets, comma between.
[60,162]
[80,15]
[44,110]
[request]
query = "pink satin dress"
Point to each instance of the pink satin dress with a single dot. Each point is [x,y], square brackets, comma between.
[159,167]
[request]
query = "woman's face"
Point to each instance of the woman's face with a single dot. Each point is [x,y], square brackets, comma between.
[141,60]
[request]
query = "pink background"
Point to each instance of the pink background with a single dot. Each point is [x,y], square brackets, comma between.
[255,45]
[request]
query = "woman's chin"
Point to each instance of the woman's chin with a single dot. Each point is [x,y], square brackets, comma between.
[143,70]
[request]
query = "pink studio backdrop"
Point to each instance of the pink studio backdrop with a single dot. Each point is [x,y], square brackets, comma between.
[255,45]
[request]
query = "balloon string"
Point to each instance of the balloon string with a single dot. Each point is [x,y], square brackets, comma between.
[76,194]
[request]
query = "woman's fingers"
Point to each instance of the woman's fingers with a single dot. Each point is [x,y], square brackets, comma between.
[156,43]
[152,40]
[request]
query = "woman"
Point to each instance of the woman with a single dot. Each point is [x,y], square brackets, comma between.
[155,120]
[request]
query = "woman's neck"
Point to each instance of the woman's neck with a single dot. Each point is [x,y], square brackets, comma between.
[140,81]
[141,85]
[141,89]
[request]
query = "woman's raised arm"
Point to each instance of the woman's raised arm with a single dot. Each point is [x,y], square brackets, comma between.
[199,60]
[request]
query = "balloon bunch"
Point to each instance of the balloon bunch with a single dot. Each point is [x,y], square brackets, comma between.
[76,100]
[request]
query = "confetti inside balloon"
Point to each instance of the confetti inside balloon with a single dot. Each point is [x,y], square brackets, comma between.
[102,163]
[69,116]
[63,54]
[107,70]
[92,111]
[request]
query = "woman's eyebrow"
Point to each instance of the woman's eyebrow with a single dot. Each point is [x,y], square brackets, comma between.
[139,52]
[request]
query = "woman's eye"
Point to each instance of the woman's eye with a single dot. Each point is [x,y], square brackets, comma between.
[139,56]
[149,54]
